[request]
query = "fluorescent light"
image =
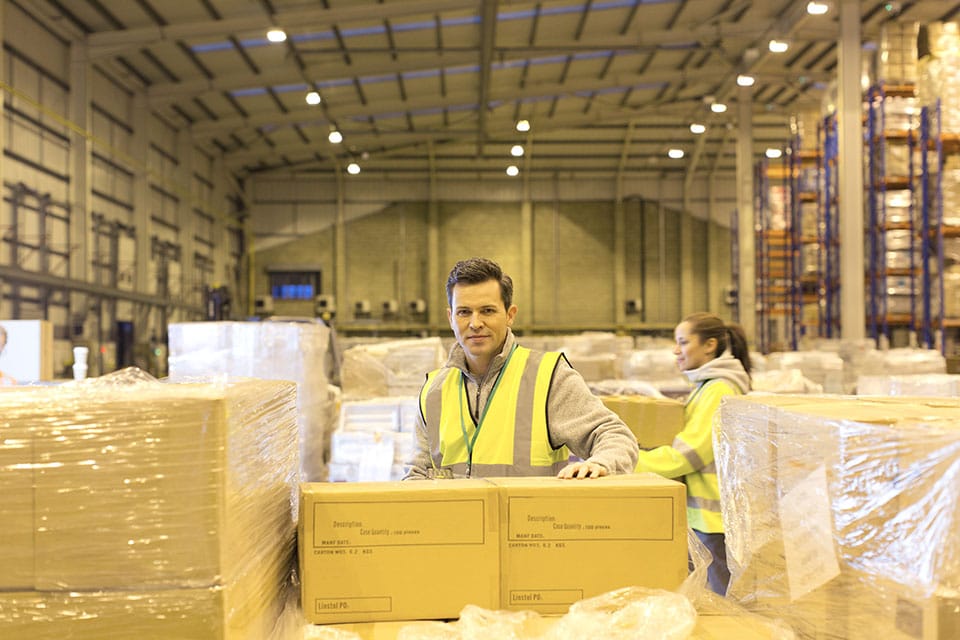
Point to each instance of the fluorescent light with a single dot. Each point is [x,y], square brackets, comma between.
[676,154]
[815,8]
[744,80]
[353,168]
[313,98]
[697,128]
[513,171]
[718,107]
[523,125]
[276,35]
[335,137]
[773,153]
[778,46]
[516,150]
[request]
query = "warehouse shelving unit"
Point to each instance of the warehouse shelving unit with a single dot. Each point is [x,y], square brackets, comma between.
[806,245]
[892,234]
[777,282]
[936,229]
[828,230]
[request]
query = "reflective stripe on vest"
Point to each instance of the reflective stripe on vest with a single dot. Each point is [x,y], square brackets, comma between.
[513,439]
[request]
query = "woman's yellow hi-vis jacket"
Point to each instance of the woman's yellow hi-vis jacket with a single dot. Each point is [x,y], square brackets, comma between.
[690,456]
[511,438]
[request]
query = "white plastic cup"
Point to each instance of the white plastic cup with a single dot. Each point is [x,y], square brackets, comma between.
[80,356]
[79,371]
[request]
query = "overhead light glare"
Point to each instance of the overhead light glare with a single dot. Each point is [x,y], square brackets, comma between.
[697,128]
[276,35]
[718,107]
[778,46]
[513,171]
[313,98]
[523,125]
[353,168]
[335,137]
[744,80]
[815,8]
[676,154]
[516,150]
[773,153]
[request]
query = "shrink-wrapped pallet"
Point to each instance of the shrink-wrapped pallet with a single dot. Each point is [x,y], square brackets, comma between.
[840,513]
[139,509]
[297,351]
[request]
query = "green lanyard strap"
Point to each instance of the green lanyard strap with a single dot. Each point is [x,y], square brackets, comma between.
[470,442]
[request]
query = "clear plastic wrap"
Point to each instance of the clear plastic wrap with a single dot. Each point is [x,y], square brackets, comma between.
[918,384]
[297,351]
[139,509]
[841,513]
[396,368]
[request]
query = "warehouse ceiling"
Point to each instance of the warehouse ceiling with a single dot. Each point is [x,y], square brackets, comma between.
[415,86]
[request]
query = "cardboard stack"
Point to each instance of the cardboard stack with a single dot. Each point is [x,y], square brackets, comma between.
[138,509]
[840,513]
[535,544]
[654,421]
[297,351]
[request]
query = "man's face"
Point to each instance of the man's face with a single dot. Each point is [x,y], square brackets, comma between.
[479,321]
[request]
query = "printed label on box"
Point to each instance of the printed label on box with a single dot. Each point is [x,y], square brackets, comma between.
[353,605]
[380,524]
[807,536]
[596,518]
[545,596]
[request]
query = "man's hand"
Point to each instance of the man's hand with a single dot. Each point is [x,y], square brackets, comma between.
[579,470]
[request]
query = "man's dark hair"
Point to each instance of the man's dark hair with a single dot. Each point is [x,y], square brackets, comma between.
[477,270]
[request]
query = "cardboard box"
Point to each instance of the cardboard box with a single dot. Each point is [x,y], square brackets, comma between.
[180,614]
[380,551]
[16,506]
[564,540]
[654,421]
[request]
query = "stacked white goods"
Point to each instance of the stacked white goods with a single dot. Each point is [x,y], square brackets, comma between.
[903,362]
[914,384]
[783,381]
[655,366]
[778,208]
[297,351]
[375,439]
[595,354]
[938,78]
[897,63]
[395,368]
[133,508]
[840,513]
[820,367]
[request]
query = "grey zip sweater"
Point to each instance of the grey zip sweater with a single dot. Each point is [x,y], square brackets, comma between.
[575,417]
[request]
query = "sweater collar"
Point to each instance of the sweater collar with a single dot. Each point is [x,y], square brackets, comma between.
[458,359]
[724,367]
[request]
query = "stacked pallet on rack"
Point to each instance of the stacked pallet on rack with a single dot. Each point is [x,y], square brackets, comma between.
[939,93]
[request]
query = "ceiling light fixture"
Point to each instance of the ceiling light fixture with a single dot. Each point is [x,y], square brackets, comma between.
[745,80]
[523,125]
[773,153]
[718,107]
[676,154]
[697,128]
[778,46]
[513,171]
[335,137]
[313,98]
[815,8]
[516,150]
[276,35]
[353,168]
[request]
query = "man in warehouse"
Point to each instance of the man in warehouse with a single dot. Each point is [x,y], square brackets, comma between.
[5,380]
[499,409]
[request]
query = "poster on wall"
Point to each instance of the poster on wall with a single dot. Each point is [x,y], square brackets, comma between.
[27,355]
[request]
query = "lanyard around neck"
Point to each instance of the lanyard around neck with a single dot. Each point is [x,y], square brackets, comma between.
[461,395]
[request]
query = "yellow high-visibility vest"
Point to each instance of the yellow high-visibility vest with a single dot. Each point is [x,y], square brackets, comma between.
[512,439]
